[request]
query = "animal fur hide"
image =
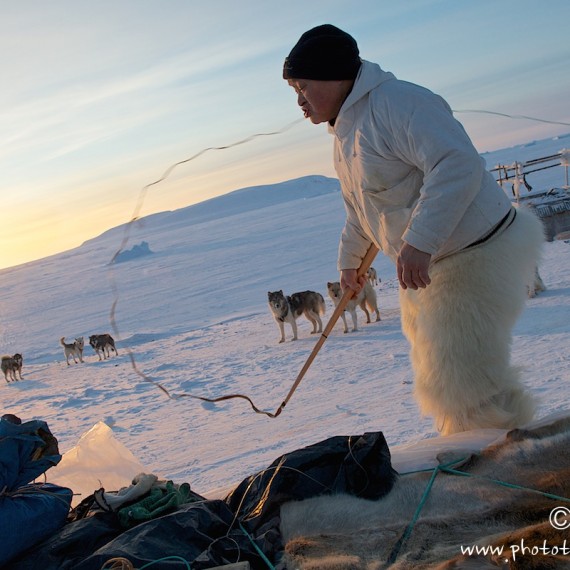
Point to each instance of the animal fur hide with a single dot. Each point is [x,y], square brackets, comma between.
[510,526]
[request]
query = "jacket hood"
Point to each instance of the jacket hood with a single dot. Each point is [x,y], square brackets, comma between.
[370,76]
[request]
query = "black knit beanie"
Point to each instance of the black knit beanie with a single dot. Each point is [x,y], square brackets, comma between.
[324,53]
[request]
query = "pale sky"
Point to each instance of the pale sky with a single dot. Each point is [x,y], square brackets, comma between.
[99,98]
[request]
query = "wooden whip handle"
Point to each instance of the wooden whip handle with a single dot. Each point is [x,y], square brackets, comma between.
[349,293]
[364,266]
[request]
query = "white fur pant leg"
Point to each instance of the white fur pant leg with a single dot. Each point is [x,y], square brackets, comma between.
[460,326]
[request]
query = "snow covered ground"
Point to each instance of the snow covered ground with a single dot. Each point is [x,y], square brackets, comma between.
[192,316]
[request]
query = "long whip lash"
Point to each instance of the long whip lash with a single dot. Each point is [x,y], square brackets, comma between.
[348,294]
[168,172]
[511,116]
[126,235]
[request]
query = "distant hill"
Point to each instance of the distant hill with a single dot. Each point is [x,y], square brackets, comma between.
[237,202]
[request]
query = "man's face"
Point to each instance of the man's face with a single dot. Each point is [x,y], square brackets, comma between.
[320,100]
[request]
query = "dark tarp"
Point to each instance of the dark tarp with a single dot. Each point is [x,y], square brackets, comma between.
[209,533]
[197,532]
[355,465]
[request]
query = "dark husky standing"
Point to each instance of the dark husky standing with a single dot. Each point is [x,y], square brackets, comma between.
[287,309]
[104,343]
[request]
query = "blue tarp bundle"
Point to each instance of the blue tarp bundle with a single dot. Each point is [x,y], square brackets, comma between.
[29,512]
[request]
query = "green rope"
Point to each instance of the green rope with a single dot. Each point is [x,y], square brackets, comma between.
[504,484]
[259,551]
[402,540]
[149,564]
[446,468]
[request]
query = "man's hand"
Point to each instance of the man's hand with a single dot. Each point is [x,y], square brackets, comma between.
[349,280]
[412,266]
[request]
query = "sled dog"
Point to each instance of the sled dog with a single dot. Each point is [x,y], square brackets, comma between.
[11,366]
[104,343]
[74,349]
[366,299]
[287,309]
[372,276]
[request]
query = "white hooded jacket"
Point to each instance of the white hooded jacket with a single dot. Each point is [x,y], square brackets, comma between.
[408,171]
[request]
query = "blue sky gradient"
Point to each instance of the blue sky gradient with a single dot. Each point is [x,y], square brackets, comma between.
[99,98]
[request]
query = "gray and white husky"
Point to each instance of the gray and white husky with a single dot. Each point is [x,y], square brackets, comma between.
[73,349]
[287,309]
[366,299]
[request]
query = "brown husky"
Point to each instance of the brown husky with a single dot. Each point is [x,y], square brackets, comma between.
[74,349]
